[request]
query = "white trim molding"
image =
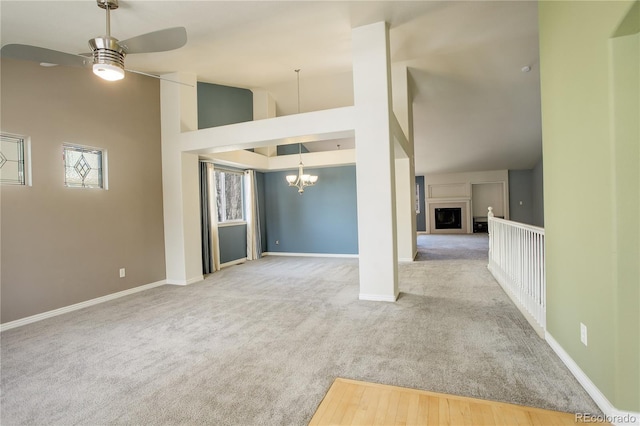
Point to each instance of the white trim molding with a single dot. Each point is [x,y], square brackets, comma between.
[281,253]
[611,413]
[378,297]
[186,282]
[408,260]
[44,315]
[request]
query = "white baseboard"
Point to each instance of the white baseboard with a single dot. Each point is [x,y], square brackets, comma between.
[38,317]
[281,253]
[377,297]
[186,282]
[612,414]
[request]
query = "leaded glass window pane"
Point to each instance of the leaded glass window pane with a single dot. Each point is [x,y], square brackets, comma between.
[12,165]
[229,196]
[82,167]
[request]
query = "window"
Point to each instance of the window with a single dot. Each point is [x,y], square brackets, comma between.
[83,167]
[229,196]
[12,160]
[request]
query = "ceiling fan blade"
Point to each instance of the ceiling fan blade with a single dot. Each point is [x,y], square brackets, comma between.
[157,41]
[42,55]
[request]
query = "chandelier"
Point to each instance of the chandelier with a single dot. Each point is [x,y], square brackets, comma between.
[302,180]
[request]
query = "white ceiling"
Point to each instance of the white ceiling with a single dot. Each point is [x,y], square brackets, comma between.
[473,107]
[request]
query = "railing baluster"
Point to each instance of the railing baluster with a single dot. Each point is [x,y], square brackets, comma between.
[516,260]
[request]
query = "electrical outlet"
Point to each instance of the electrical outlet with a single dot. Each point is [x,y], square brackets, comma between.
[122,273]
[277,242]
[583,334]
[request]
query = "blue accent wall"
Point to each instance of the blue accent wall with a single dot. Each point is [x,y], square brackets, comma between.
[220,105]
[421,218]
[233,242]
[322,220]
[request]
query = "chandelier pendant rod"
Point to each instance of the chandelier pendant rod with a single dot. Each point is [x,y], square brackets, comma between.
[302,179]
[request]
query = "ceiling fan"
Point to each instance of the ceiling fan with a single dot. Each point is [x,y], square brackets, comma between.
[108,53]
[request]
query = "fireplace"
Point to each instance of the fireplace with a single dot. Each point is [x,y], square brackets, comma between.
[448,218]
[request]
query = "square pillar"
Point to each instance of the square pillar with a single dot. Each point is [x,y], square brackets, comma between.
[180,182]
[405,165]
[375,164]
[406,209]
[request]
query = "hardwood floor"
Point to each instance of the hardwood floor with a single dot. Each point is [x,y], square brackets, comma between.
[349,402]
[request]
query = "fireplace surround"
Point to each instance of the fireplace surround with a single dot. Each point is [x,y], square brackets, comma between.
[450,223]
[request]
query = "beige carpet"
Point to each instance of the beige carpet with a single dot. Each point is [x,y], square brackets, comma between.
[261,343]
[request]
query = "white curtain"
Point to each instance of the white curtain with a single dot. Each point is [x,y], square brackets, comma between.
[213,218]
[254,238]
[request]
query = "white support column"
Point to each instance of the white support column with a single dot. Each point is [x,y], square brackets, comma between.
[264,106]
[405,166]
[406,209]
[180,181]
[403,100]
[375,165]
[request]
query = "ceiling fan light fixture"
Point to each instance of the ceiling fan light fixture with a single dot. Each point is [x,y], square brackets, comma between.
[108,72]
[107,53]
[108,58]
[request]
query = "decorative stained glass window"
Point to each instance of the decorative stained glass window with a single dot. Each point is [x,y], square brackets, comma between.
[229,196]
[12,160]
[83,167]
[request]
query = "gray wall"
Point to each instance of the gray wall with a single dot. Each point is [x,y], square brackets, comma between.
[421,218]
[322,220]
[521,196]
[61,245]
[290,149]
[219,105]
[537,195]
[526,186]
[233,242]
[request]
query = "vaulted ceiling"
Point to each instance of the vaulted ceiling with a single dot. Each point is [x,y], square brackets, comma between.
[474,107]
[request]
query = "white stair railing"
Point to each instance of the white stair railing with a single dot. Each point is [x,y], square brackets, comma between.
[516,260]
